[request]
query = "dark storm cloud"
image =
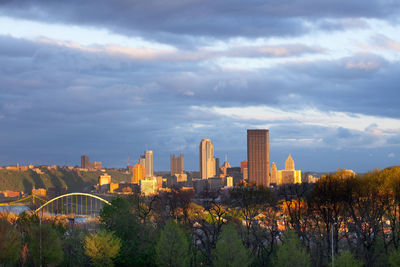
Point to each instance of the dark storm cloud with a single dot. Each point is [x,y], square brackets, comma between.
[183,22]
[59,102]
[363,83]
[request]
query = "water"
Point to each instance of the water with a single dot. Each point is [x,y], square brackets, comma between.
[14,209]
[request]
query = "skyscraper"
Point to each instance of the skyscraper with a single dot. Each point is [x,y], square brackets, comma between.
[177,164]
[289,175]
[138,173]
[258,157]
[207,160]
[274,174]
[149,163]
[85,163]
[142,161]
[289,163]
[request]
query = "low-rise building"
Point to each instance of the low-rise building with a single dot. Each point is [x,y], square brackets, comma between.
[104,179]
[148,186]
[10,194]
[40,192]
[181,177]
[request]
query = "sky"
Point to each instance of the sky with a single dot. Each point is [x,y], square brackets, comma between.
[111,79]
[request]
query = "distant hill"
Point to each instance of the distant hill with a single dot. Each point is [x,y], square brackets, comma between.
[74,180]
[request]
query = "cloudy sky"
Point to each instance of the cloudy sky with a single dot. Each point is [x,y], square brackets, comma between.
[112,78]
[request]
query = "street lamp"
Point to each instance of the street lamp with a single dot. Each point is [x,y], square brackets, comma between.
[333,260]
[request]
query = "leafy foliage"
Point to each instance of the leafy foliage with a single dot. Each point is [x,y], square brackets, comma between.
[124,218]
[102,247]
[45,245]
[291,253]
[347,259]
[172,249]
[73,247]
[229,250]
[10,243]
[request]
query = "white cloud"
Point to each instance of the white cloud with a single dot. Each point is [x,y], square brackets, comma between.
[359,122]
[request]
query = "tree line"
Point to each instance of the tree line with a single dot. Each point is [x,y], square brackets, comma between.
[355,217]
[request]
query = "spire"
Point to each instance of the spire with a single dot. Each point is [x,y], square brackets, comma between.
[289,164]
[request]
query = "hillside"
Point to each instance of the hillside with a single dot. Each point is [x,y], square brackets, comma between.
[75,181]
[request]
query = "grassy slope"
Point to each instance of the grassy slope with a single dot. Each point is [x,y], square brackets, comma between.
[24,181]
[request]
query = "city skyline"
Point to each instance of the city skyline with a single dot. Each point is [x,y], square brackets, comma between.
[323,77]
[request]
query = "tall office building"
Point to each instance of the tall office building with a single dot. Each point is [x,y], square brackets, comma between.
[289,163]
[138,173]
[258,157]
[142,160]
[207,160]
[217,169]
[149,166]
[177,164]
[85,163]
[274,174]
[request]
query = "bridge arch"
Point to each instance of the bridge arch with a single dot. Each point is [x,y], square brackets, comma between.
[71,195]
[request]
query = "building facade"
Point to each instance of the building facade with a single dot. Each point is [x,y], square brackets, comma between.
[139,173]
[149,166]
[104,179]
[207,160]
[258,157]
[85,163]
[274,174]
[287,176]
[177,164]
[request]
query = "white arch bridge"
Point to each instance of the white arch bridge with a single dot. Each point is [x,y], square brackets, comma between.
[74,204]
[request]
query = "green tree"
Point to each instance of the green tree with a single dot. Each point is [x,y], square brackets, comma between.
[230,250]
[394,258]
[45,245]
[102,247]
[10,243]
[123,218]
[73,246]
[347,259]
[172,249]
[291,253]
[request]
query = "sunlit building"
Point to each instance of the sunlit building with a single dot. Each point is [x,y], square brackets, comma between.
[148,186]
[229,181]
[274,174]
[149,165]
[85,164]
[258,157]
[224,167]
[104,179]
[244,169]
[139,173]
[177,164]
[181,177]
[40,192]
[207,160]
[287,176]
